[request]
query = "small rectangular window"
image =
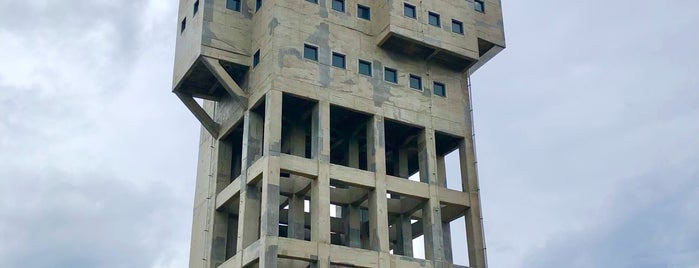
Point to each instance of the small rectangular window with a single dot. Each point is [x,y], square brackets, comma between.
[258,5]
[479,5]
[433,19]
[196,7]
[440,89]
[233,5]
[363,12]
[256,59]
[310,52]
[312,1]
[457,27]
[390,75]
[338,5]
[365,67]
[183,25]
[338,60]
[409,10]
[415,82]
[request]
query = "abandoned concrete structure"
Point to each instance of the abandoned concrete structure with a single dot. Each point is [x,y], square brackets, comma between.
[326,125]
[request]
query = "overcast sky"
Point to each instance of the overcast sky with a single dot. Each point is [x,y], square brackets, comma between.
[587,131]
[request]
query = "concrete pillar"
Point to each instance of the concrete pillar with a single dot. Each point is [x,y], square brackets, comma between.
[378,207]
[249,204]
[431,212]
[474,227]
[269,219]
[446,228]
[297,143]
[320,188]
[404,232]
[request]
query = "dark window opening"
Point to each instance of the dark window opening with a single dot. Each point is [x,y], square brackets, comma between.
[457,27]
[365,67]
[258,5]
[310,52]
[433,19]
[409,10]
[338,60]
[440,89]
[196,7]
[256,59]
[479,5]
[363,12]
[415,82]
[338,5]
[233,5]
[183,25]
[390,75]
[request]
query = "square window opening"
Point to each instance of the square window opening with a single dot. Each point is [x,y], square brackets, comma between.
[233,5]
[363,12]
[409,11]
[365,68]
[439,89]
[415,82]
[479,5]
[310,52]
[457,27]
[338,60]
[390,75]
[338,5]
[433,19]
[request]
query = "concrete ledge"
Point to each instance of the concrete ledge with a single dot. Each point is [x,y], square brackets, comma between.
[399,261]
[299,165]
[228,193]
[454,197]
[353,176]
[353,256]
[297,249]
[407,187]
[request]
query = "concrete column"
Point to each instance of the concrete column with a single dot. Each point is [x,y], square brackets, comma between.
[432,222]
[404,244]
[249,204]
[446,228]
[297,143]
[378,211]
[269,219]
[351,217]
[474,227]
[320,189]
[404,227]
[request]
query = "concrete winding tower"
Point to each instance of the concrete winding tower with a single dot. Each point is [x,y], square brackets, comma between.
[325,129]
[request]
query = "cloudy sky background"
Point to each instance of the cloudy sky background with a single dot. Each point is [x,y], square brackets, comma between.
[587,135]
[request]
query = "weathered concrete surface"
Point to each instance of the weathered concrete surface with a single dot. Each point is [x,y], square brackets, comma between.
[266,178]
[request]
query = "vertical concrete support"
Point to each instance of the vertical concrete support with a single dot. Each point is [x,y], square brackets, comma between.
[352,219]
[474,227]
[403,171]
[320,189]
[269,219]
[378,207]
[432,220]
[297,142]
[249,204]
[219,226]
[446,228]
[404,244]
